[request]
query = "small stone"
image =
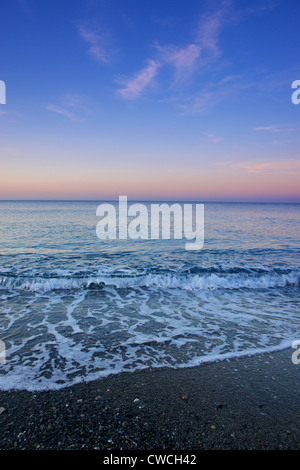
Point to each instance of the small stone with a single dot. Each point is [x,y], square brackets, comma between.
[213,427]
[184,397]
[2,410]
[136,400]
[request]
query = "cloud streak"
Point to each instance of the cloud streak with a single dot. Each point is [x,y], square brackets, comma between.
[136,85]
[205,49]
[286,167]
[289,167]
[96,43]
[212,94]
[72,105]
[266,128]
[209,29]
[184,59]
[192,59]
[62,111]
[274,129]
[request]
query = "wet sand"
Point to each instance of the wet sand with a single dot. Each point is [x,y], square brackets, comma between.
[245,403]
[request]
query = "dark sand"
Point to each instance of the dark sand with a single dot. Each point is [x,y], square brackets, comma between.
[247,403]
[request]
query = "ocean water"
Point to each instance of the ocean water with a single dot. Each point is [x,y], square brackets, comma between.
[75,308]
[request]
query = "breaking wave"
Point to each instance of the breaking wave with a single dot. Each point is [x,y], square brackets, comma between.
[193,279]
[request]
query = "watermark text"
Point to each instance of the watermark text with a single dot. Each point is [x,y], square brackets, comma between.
[296,354]
[296,94]
[2,352]
[152,221]
[2,92]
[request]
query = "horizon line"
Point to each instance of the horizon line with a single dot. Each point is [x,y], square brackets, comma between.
[152,200]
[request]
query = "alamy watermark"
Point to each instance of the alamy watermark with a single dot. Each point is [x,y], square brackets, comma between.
[296,354]
[2,92]
[153,221]
[296,94]
[2,352]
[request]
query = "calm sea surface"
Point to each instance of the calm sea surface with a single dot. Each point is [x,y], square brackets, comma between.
[75,308]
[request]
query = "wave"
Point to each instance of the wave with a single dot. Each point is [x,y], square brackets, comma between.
[193,279]
[24,378]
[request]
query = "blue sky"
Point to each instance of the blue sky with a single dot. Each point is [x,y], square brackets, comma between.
[152,99]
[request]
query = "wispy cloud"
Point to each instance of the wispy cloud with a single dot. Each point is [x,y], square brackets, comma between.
[193,58]
[73,107]
[9,116]
[282,128]
[212,138]
[266,128]
[135,86]
[225,163]
[96,42]
[267,5]
[77,101]
[287,167]
[64,112]
[184,59]
[282,142]
[209,28]
[211,95]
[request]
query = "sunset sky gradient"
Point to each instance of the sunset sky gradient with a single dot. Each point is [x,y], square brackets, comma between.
[156,100]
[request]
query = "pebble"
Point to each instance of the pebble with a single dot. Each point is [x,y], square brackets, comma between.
[2,410]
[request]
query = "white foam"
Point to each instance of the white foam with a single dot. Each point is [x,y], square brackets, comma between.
[59,337]
[242,280]
[22,378]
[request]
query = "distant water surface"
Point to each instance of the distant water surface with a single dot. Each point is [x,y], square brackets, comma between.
[74,308]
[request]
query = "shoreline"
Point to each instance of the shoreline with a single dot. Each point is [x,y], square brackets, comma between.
[249,402]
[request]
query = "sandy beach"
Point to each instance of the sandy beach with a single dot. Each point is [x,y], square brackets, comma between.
[245,403]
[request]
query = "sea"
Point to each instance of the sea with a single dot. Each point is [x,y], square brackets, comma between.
[75,308]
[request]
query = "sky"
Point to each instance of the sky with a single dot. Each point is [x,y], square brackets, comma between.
[156,100]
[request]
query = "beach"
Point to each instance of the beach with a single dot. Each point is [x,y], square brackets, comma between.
[244,403]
